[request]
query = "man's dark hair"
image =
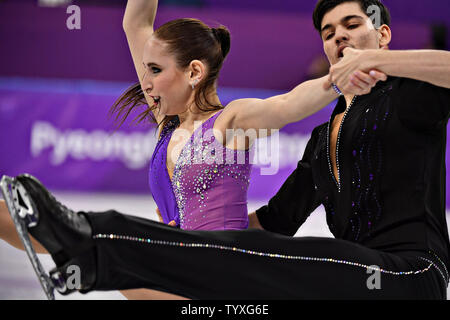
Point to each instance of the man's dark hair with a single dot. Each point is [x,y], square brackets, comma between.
[324,6]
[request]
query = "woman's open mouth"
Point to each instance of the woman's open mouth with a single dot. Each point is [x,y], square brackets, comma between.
[156,100]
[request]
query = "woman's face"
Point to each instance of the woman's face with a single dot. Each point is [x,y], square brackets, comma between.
[164,82]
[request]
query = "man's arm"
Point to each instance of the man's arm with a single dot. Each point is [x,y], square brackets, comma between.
[422,98]
[432,66]
[297,198]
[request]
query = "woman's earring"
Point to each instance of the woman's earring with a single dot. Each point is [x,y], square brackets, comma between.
[194,84]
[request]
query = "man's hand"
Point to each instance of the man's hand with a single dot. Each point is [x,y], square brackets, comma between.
[171,223]
[352,75]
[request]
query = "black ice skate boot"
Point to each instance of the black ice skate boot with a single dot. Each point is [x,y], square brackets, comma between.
[64,233]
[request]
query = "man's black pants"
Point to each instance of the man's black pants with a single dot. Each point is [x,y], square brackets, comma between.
[253,264]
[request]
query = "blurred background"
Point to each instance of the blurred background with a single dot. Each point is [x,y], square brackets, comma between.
[57,85]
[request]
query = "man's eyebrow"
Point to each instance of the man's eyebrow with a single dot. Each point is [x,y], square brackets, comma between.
[343,20]
[351,17]
[326,27]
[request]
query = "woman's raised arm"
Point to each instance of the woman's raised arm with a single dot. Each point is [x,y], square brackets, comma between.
[138,26]
[140,13]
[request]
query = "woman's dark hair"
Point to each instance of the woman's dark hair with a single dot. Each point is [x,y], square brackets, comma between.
[324,6]
[187,40]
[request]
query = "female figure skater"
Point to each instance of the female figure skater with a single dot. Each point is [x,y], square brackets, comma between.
[178,66]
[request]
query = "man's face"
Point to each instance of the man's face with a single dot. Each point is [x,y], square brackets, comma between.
[347,25]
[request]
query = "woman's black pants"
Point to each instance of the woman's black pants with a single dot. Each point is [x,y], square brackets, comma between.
[132,253]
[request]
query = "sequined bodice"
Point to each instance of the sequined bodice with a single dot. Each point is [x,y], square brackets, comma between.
[209,186]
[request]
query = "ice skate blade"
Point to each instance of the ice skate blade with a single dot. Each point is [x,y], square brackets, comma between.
[23,213]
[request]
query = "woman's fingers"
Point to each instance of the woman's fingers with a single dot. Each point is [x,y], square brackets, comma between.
[365,79]
[159,215]
[370,78]
[364,82]
[380,76]
[357,86]
[171,223]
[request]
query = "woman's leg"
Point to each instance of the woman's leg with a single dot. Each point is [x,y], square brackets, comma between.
[148,294]
[9,234]
[132,252]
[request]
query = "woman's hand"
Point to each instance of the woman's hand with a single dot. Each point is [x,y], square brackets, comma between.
[171,223]
[352,74]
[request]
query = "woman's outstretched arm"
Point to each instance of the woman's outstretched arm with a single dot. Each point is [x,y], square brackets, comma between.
[278,111]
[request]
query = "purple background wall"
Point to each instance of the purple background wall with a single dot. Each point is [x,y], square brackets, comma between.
[269,50]
[44,68]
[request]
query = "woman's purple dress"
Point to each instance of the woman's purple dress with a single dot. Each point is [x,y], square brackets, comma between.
[209,186]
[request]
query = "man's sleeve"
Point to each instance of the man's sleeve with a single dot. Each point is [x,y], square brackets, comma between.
[295,200]
[421,105]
